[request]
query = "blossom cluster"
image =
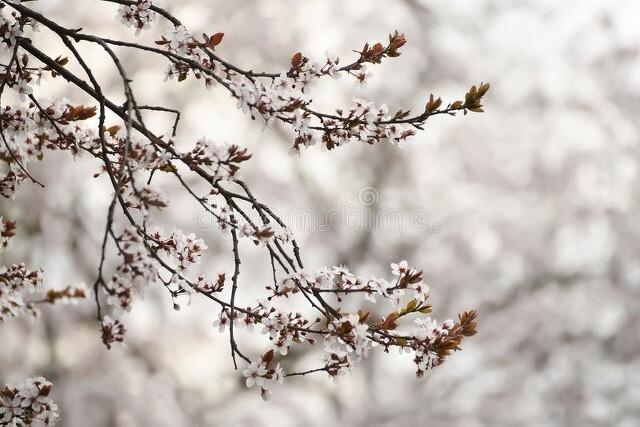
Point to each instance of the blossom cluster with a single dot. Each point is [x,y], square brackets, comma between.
[28,404]
[258,234]
[339,280]
[133,275]
[284,329]
[16,74]
[138,15]
[10,28]
[349,337]
[113,331]
[30,130]
[207,286]
[15,279]
[284,96]
[264,373]
[132,151]
[349,334]
[180,42]
[221,160]
[185,250]
[143,255]
[143,198]
[365,122]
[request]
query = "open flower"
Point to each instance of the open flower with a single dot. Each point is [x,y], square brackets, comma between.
[399,268]
[254,374]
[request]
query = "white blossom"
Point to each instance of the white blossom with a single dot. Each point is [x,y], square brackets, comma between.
[138,15]
[254,374]
[28,403]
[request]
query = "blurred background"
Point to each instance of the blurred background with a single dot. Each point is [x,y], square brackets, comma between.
[525,214]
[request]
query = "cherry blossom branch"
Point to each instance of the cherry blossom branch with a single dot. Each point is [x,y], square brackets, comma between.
[131,156]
